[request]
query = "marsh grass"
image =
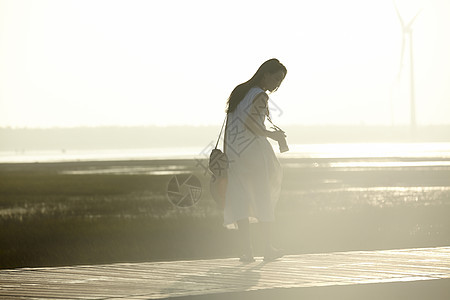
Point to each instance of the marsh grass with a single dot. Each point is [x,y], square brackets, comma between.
[50,217]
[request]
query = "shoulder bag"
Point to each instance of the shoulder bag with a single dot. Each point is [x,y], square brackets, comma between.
[218,166]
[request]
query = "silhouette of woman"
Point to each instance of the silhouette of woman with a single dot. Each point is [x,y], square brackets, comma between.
[254,173]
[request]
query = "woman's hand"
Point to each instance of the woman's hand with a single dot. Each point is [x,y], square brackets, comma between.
[277,135]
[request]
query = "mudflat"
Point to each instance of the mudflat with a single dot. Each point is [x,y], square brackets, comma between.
[54,214]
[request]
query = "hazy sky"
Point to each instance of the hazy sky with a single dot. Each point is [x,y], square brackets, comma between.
[89,63]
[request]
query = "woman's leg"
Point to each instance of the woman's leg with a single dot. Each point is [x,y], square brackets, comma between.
[270,252]
[267,232]
[244,234]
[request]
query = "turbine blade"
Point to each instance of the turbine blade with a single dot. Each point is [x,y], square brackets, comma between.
[402,56]
[413,19]
[398,15]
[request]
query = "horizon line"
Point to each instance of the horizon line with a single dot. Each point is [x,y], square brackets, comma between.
[217,125]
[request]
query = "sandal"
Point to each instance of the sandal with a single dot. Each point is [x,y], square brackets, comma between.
[274,254]
[246,258]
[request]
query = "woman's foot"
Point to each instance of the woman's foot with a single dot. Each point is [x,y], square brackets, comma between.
[247,258]
[272,253]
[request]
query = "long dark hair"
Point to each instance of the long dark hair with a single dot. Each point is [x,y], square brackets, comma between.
[271,66]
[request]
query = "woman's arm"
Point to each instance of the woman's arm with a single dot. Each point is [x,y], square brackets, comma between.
[256,111]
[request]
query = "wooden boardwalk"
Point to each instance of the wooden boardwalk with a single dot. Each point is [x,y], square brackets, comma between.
[158,280]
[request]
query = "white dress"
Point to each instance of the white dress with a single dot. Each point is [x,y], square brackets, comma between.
[254,174]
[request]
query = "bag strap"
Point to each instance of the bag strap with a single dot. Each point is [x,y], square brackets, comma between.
[274,126]
[221,131]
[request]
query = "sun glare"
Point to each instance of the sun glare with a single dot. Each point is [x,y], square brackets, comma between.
[145,63]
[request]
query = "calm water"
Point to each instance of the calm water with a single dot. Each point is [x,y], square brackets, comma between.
[429,152]
[320,177]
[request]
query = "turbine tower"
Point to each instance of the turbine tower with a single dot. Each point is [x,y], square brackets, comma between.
[407,31]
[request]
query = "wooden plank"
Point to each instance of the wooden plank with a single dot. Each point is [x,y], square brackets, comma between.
[157,280]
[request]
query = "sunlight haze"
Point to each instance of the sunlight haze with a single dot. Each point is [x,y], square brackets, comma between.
[133,63]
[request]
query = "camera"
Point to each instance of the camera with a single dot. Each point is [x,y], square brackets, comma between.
[282,144]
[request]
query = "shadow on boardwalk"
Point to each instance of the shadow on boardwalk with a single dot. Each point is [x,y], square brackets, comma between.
[417,290]
[243,277]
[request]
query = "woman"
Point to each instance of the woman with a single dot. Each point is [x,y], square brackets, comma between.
[254,174]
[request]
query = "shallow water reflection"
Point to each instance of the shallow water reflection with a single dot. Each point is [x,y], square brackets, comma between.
[369,164]
[129,170]
[382,197]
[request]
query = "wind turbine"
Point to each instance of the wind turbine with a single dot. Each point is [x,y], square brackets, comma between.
[407,31]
